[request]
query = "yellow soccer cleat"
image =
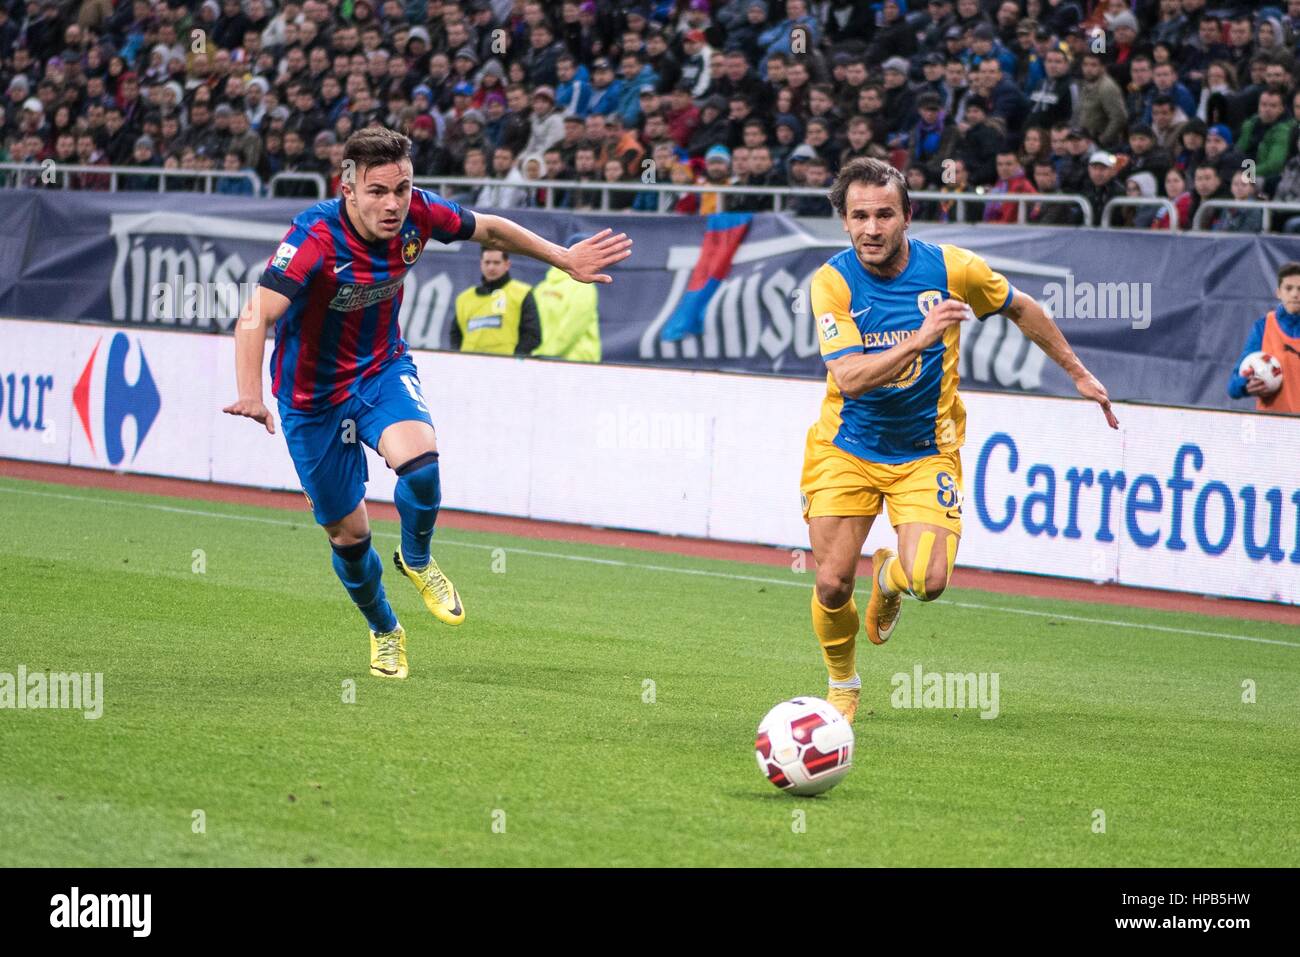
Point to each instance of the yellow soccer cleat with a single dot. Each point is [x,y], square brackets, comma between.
[388,654]
[882,610]
[845,701]
[439,594]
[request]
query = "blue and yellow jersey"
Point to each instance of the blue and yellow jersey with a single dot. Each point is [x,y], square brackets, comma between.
[919,413]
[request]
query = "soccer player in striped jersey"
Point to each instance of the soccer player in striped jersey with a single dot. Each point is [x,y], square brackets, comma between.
[889,312]
[341,372]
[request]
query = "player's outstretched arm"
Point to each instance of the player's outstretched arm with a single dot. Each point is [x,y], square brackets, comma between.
[858,374]
[1041,330]
[583,261]
[262,310]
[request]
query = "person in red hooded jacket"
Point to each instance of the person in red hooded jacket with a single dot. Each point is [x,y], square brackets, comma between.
[1011,179]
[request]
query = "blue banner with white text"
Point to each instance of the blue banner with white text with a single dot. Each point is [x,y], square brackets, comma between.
[1156,317]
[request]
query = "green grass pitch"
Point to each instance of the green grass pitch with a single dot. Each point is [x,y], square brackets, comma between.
[525,737]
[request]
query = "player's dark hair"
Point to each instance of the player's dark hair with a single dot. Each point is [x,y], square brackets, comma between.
[375,146]
[869,172]
[1288,269]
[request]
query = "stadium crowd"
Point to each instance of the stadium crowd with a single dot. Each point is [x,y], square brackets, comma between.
[1096,98]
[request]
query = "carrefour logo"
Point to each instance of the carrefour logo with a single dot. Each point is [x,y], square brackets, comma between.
[105,399]
[1179,507]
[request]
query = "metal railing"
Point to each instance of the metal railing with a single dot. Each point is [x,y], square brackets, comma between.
[1119,201]
[54,175]
[315,178]
[779,194]
[51,174]
[664,201]
[1265,206]
[1023,200]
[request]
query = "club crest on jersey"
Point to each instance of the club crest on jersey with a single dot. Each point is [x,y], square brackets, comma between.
[928,300]
[411,247]
[826,322]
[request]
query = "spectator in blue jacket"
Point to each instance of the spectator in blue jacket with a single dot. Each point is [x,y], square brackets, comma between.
[1006,101]
[780,38]
[984,44]
[635,76]
[1165,77]
[606,92]
[573,92]
[234,185]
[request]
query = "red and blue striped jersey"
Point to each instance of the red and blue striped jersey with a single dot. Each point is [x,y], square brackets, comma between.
[345,295]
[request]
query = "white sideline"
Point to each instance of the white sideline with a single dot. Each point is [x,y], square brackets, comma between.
[442,540]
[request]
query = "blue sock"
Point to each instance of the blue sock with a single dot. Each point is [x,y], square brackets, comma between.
[361,571]
[419,493]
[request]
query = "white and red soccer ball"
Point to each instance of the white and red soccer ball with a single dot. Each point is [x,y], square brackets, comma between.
[804,746]
[1264,367]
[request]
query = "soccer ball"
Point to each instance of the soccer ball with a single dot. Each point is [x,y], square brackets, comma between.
[804,746]
[1263,367]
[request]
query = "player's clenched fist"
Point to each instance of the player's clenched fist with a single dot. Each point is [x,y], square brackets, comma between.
[941,316]
[252,409]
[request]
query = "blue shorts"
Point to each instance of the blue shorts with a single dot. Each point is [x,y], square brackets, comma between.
[326,445]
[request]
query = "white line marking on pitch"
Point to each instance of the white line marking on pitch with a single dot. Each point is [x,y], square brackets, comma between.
[652,568]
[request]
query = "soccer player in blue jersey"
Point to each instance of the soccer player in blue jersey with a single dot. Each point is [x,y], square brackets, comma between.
[888,314]
[341,371]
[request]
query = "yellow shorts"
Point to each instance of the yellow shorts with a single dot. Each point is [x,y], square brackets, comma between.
[838,483]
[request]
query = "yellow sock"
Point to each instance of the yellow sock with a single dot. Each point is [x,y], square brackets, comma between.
[895,576]
[837,632]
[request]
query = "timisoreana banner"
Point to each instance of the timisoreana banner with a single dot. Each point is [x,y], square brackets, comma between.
[1157,317]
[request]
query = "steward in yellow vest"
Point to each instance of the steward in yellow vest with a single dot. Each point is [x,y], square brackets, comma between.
[569,315]
[496,316]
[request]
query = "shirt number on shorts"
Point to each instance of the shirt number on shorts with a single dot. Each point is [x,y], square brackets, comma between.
[949,495]
[413,387]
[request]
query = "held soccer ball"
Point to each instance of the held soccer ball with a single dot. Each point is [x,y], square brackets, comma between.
[1263,367]
[804,746]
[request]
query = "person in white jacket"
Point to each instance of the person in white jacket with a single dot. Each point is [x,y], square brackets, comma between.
[547,122]
[507,195]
